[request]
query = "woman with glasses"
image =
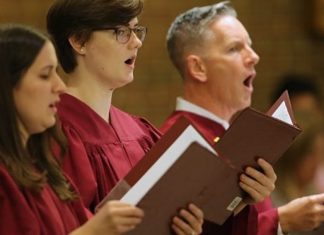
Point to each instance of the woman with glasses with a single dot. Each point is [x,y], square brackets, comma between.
[97,43]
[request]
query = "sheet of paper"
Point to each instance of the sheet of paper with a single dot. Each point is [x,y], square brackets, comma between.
[282,114]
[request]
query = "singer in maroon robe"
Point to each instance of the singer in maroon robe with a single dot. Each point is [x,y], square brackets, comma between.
[211,49]
[105,143]
[27,213]
[101,153]
[213,128]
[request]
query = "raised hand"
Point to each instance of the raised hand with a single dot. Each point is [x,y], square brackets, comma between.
[302,214]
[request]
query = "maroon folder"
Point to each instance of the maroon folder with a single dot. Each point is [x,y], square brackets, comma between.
[254,134]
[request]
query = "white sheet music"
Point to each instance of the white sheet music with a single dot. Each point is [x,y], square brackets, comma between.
[282,114]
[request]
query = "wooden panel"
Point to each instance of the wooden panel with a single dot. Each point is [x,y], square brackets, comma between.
[32,12]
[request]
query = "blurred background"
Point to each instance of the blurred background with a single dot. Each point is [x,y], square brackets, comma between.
[287,34]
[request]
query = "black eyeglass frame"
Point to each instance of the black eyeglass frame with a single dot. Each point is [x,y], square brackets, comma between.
[129,31]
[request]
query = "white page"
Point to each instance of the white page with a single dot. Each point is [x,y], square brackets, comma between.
[167,159]
[282,113]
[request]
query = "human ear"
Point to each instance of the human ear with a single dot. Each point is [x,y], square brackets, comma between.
[77,46]
[196,68]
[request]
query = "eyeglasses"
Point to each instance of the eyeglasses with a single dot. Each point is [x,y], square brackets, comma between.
[123,33]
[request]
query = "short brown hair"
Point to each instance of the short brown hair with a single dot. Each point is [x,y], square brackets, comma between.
[80,18]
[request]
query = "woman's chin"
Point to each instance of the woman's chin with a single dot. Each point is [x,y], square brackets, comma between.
[125,82]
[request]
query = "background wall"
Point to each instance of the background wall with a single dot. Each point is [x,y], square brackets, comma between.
[280,30]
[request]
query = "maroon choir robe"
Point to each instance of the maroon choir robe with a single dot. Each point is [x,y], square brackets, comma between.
[101,153]
[261,219]
[27,213]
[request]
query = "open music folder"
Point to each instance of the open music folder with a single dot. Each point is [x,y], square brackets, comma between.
[254,134]
[183,167]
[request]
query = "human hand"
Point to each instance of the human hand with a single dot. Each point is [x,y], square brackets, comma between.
[257,184]
[113,218]
[189,221]
[302,214]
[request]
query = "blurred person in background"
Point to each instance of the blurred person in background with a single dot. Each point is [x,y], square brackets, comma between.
[301,170]
[306,100]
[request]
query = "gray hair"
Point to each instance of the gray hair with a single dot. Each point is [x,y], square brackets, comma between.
[189,30]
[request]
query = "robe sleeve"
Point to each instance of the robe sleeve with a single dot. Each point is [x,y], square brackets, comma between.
[268,222]
[268,218]
[77,166]
[149,129]
[16,216]
[246,222]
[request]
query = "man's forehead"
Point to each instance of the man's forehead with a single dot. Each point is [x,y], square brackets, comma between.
[230,28]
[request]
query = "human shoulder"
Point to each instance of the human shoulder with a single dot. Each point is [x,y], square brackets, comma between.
[136,122]
[9,189]
[16,214]
[4,173]
[125,117]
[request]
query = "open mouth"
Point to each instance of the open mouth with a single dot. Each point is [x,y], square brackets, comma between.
[248,82]
[130,61]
